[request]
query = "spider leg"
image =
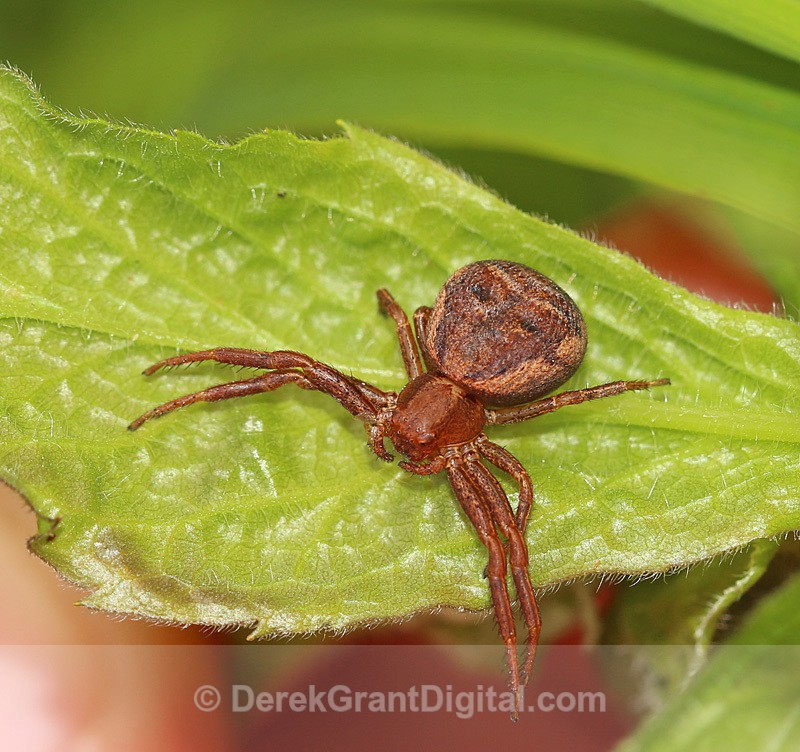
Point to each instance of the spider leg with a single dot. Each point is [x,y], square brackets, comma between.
[497,502]
[474,506]
[257,385]
[236,356]
[508,463]
[421,317]
[359,398]
[517,413]
[408,347]
[275,359]
[424,468]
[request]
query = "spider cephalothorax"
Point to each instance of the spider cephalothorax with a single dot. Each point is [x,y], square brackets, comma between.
[499,334]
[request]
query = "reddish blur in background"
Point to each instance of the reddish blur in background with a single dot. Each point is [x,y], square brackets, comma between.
[130,684]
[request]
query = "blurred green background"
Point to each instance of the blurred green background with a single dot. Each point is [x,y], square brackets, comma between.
[567,108]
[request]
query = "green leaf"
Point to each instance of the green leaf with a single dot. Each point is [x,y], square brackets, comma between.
[746,698]
[563,193]
[684,610]
[122,245]
[614,86]
[773,25]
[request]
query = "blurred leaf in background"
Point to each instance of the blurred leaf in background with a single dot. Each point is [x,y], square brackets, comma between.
[621,88]
[746,697]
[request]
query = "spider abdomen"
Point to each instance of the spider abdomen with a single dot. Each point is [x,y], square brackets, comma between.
[505,333]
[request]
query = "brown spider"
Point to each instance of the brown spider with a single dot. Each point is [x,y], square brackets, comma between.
[499,334]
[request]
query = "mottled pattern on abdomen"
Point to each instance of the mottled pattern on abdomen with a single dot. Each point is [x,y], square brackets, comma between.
[509,334]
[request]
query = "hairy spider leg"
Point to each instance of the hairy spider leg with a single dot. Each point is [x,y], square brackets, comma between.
[518,413]
[480,517]
[503,459]
[357,397]
[408,348]
[492,494]
[436,465]
[243,388]
[421,318]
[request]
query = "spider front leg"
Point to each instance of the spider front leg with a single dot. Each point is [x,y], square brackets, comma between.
[503,459]
[496,501]
[286,367]
[470,499]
